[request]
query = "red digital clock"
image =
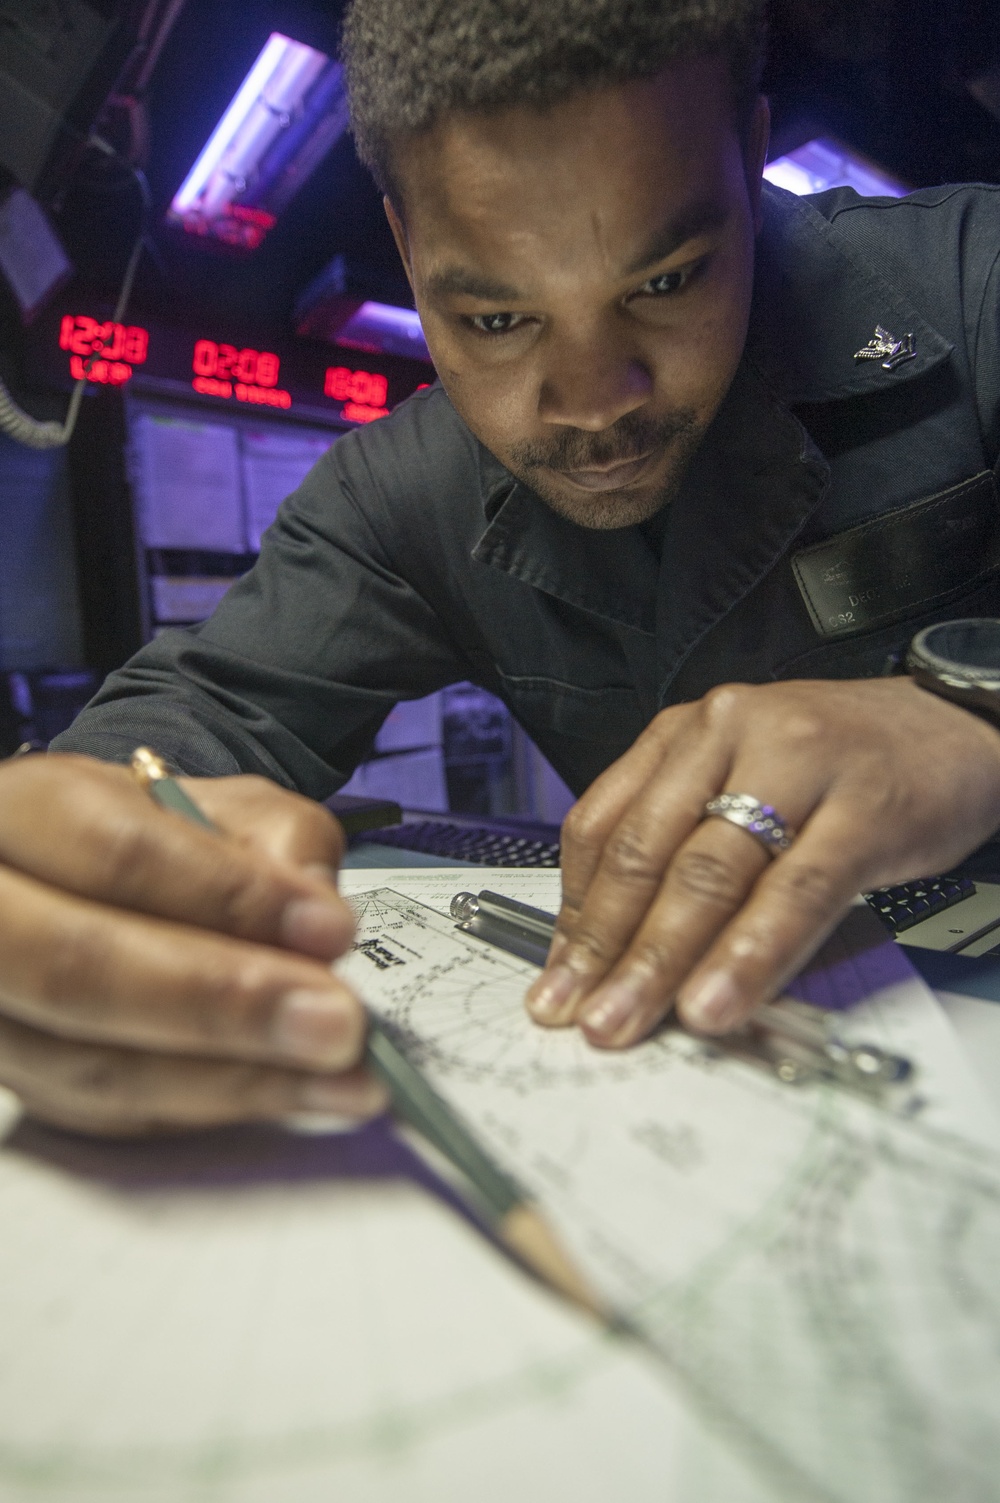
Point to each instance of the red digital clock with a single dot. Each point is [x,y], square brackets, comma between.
[221,370]
[102,352]
[256,367]
[360,388]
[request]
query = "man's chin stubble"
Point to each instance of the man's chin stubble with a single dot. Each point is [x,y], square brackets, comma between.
[609,511]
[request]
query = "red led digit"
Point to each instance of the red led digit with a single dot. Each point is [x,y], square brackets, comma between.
[228,356]
[110,338]
[267,369]
[82,337]
[245,366]
[136,344]
[336,383]
[86,333]
[206,357]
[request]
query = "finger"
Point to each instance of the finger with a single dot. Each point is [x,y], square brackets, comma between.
[592,820]
[279,824]
[705,881]
[102,1089]
[88,828]
[629,873]
[706,884]
[81,970]
[708,943]
[794,906]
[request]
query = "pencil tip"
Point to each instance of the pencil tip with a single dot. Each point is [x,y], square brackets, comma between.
[528,1236]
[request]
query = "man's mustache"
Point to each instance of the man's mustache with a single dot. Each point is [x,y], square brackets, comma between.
[632,437]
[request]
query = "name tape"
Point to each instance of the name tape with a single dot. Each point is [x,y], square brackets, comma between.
[915,556]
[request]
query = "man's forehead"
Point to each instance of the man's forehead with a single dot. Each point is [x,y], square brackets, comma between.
[643,166]
[661,125]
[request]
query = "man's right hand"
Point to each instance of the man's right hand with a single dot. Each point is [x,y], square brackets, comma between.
[155,975]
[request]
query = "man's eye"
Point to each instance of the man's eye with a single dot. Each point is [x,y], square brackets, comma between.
[667,282]
[496,323]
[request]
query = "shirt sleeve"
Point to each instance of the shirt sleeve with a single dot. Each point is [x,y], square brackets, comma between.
[306,655]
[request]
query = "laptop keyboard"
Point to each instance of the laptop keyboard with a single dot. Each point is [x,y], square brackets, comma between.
[901,907]
[475,843]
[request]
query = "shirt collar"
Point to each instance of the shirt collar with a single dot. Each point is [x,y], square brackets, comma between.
[612,574]
[817,301]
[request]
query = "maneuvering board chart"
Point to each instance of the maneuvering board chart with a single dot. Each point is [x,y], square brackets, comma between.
[817,1271]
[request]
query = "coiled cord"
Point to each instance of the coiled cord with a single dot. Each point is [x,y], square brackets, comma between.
[35,433]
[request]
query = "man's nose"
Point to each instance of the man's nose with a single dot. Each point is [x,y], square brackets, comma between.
[591,384]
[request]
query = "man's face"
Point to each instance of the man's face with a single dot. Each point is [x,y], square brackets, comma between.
[583,276]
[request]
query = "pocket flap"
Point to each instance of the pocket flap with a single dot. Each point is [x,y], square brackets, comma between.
[884,568]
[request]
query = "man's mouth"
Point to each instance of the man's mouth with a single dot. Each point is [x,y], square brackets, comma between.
[608,477]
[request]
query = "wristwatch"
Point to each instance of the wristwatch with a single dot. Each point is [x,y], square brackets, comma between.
[960,660]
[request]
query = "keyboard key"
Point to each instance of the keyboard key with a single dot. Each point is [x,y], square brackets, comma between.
[480,845]
[904,905]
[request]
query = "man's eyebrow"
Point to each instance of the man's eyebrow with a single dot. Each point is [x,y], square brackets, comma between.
[697,219]
[452,281]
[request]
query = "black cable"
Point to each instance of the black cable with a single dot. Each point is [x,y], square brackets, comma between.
[32,432]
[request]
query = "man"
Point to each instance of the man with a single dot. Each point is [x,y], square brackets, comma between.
[647,471]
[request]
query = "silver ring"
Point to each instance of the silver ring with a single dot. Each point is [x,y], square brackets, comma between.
[759,820]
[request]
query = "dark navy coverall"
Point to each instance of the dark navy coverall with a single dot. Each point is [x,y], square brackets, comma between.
[835,507]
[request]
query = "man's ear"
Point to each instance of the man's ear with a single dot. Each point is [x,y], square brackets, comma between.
[399,235]
[756,157]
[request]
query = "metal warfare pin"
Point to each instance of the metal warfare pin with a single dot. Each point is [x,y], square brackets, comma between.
[888,349]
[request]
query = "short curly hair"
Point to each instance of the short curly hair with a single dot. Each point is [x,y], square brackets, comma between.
[408,62]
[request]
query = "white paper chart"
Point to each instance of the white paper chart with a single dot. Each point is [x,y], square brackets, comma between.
[817,1270]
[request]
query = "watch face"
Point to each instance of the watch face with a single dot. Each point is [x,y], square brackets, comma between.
[959,653]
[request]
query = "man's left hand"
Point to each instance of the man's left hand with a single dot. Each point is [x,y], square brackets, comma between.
[880,781]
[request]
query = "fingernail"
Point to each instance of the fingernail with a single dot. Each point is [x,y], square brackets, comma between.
[550,996]
[714,1005]
[612,1007]
[317,927]
[313,1027]
[334,1097]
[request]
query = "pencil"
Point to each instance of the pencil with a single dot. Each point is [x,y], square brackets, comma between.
[507,1209]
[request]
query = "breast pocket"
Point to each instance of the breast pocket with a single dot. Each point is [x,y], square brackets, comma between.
[869,589]
[904,562]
